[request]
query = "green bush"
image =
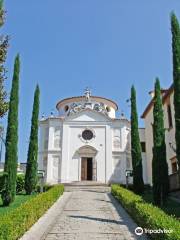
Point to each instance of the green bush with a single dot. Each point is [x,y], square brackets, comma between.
[38,188]
[20,183]
[15,223]
[146,215]
[147,187]
[47,187]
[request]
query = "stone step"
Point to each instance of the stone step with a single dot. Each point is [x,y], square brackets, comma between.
[85,183]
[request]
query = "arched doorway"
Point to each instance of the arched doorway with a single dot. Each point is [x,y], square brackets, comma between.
[88,165]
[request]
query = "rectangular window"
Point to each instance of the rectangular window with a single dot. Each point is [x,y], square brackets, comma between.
[174,165]
[169,116]
[143,146]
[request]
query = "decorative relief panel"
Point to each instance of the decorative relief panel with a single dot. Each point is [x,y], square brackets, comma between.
[116,142]
[55,174]
[56,160]
[116,138]
[128,161]
[46,137]
[77,107]
[117,162]
[57,137]
[117,171]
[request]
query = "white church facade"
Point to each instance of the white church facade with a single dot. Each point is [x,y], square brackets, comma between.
[86,141]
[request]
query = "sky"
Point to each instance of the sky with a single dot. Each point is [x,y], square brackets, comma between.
[68,45]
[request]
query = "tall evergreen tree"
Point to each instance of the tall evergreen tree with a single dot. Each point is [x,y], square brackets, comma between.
[31,170]
[138,184]
[3,53]
[175,28]
[10,167]
[159,163]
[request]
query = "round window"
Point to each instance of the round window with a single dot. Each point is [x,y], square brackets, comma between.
[87,134]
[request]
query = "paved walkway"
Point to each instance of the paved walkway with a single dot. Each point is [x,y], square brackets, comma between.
[90,212]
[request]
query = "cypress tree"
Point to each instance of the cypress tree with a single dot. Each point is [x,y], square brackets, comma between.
[175,29]
[138,184]
[159,163]
[10,167]
[3,53]
[31,170]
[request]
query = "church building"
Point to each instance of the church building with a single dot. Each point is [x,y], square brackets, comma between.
[87,141]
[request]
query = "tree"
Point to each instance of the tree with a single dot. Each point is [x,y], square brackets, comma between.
[10,167]
[175,29]
[138,184]
[31,170]
[159,163]
[3,52]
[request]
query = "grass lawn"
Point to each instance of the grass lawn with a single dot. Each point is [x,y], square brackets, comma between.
[171,207]
[18,201]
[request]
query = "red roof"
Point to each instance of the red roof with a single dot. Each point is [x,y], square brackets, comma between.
[167,93]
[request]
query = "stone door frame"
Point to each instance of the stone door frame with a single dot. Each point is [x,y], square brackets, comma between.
[88,152]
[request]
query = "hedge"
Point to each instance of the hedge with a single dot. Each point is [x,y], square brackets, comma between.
[146,215]
[20,179]
[19,182]
[15,223]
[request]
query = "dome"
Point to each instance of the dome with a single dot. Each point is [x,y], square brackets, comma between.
[72,105]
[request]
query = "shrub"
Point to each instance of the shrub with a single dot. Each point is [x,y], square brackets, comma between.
[15,223]
[147,187]
[38,188]
[146,215]
[47,187]
[20,183]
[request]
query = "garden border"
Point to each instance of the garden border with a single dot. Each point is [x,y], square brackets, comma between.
[42,226]
[147,215]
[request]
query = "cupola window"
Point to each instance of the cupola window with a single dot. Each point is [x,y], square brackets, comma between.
[108,109]
[66,108]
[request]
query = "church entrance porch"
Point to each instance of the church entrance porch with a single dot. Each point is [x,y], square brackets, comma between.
[86,168]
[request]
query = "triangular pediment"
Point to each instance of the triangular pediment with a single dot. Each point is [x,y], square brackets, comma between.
[88,115]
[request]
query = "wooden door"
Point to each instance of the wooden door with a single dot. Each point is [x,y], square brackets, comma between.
[83,169]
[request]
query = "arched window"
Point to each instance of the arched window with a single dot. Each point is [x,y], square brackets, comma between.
[108,109]
[66,108]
